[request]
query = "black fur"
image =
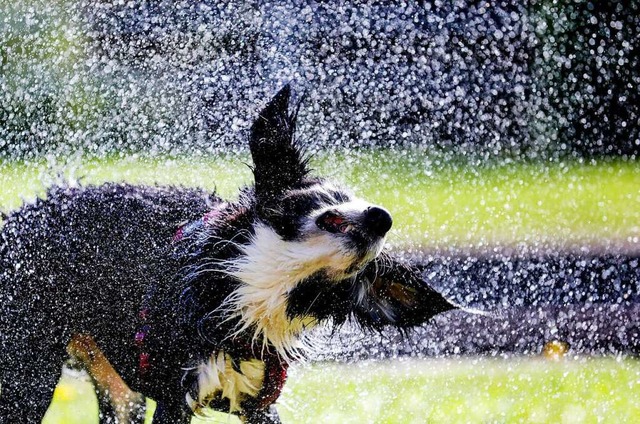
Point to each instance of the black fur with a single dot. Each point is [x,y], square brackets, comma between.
[278,162]
[105,261]
[85,261]
[394,294]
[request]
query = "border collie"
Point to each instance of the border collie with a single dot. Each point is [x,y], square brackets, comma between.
[194,301]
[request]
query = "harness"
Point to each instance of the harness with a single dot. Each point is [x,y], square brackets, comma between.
[275,371]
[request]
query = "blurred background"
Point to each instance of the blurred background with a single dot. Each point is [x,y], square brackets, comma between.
[503,137]
[527,80]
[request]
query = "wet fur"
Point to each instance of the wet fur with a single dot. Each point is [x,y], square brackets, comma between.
[237,288]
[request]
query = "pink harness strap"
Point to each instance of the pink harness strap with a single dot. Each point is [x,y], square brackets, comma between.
[207,219]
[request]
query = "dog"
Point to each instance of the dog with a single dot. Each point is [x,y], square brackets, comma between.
[196,302]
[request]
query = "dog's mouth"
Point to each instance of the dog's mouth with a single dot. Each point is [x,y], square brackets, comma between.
[334,223]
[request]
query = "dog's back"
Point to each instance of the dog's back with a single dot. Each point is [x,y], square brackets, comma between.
[83,260]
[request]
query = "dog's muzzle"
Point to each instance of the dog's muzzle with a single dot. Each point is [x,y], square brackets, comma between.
[371,224]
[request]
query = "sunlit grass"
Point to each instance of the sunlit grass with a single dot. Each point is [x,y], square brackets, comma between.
[457,390]
[433,205]
[466,390]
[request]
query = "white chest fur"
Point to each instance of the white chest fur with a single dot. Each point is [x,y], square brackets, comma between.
[218,378]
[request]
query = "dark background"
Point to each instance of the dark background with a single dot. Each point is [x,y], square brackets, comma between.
[524,79]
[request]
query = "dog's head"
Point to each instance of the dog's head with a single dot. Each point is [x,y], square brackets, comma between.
[328,227]
[314,248]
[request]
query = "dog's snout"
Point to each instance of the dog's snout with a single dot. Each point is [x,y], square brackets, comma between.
[377,220]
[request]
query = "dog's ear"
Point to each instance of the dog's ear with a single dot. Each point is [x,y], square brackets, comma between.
[393,293]
[278,163]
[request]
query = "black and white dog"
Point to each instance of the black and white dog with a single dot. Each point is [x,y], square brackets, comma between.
[196,302]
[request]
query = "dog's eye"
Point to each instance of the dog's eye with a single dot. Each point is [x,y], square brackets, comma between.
[333,223]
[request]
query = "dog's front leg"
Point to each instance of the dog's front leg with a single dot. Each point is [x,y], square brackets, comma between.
[117,402]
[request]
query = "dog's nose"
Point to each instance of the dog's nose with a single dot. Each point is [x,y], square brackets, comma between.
[377,220]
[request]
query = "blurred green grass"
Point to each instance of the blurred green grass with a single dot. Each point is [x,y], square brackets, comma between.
[454,390]
[435,205]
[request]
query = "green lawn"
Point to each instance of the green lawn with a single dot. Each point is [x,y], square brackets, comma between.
[455,390]
[434,206]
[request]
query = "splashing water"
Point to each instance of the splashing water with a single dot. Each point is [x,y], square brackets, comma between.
[503,137]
